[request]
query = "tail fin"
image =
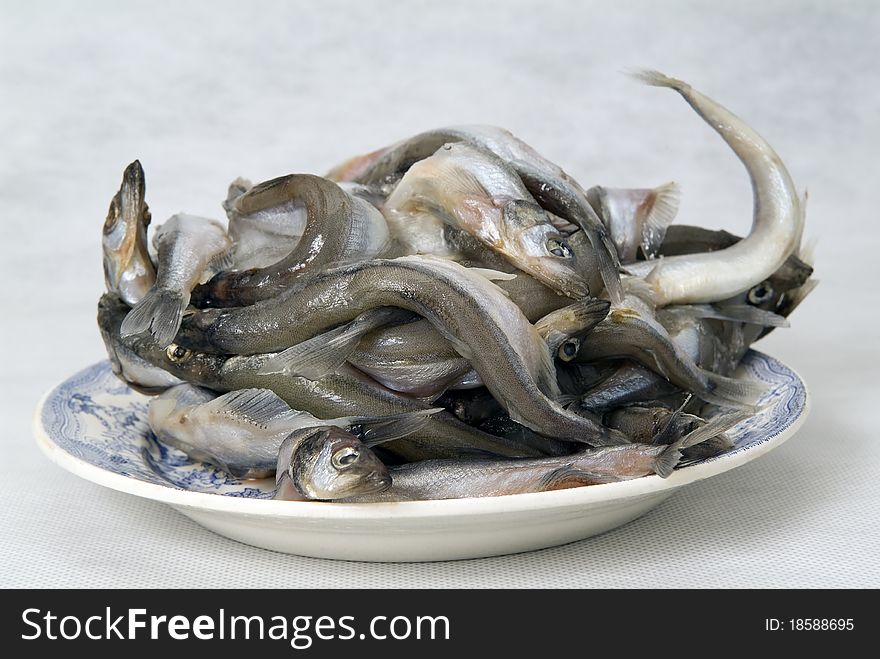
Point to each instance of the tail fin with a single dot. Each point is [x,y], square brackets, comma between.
[662,213]
[657,79]
[157,315]
[720,423]
[732,392]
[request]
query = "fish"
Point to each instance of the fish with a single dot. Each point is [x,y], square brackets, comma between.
[339,228]
[242,431]
[563,329]
[327,463]
[482,323]
[454,479]
[636,218]
[128,270]
[628,382]
[265,236]
[131,368]
[413,357]
[474,191]
[777,224]
[632,330]
[346,392]
[189,249]
[553,188]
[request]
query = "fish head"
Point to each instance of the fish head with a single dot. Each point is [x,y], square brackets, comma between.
[331,463]
[537,247]
[128,270]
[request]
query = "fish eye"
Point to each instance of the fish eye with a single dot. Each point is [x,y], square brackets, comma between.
[345,457]
[569,350]
[177,354]
[559,248]
[761,293]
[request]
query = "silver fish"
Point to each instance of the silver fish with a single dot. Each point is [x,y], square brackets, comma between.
[128,270]
[327,463]
[555,190]
[628,382]
[474,191]
[632,330]
[507,351]
[777,223]
[190,249]
[242,431]
[453,479]
[339,228]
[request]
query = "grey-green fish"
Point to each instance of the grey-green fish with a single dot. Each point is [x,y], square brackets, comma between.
[346,392]
[483,324]
[339,228]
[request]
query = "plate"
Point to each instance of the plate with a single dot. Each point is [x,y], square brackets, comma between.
[94,426]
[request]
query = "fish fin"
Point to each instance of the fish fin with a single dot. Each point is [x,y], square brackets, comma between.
[158,315]
[726,391]
[746,313]
[577,318]
[314,358]
[714,426]
[221,261]
[807,251]
[665,435]
[568,476]
[608,264]
[326,352]
[258,406]
[663,211]
[667,461]
[493,275]
[395,427]
[737,313]
[641,287]
[657,79]
[161,407]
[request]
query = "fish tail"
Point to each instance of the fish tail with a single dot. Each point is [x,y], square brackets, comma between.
[739,393]
[720,423]
[157,315]
[663,211]
[657,79]
[667,461]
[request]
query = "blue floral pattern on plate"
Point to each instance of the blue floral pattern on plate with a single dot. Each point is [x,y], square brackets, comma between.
[98,419]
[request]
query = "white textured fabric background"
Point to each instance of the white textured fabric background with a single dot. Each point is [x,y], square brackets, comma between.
[204,92]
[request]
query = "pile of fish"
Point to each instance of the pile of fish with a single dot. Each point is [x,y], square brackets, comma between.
[450,316]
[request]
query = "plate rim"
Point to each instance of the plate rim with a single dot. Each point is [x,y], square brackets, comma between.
[439,508]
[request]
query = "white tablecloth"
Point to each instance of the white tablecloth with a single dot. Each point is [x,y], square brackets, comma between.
[204,92]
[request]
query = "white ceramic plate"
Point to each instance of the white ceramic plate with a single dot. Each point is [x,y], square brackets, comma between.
[94,426]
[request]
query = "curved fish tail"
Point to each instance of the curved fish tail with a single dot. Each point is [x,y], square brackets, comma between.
[158,315]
